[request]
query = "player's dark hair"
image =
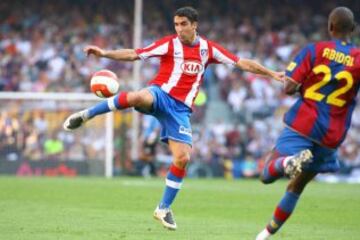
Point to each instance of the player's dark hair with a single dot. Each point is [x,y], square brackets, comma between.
[342,20]
[188,12]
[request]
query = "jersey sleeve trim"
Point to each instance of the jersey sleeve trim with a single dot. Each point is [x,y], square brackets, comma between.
[221,55]
[156,49]
[300,67]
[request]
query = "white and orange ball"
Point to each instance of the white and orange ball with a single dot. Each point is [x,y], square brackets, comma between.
[104,83]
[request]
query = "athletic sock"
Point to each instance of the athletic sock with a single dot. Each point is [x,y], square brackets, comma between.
[282,211]
[116,102]
[274,169]
[174,180]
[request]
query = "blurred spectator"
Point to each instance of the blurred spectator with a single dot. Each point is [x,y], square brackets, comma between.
[41,51]
[53,147]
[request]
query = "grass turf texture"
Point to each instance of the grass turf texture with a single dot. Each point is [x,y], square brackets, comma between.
[94,208]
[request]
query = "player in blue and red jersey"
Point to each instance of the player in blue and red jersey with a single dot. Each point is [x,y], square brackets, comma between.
[327,75]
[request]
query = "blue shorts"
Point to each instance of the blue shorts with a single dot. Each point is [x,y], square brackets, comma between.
[173,115]
[291,142]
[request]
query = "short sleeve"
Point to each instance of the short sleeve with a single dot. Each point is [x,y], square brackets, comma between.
[219,54]
[302,64]
[156,49]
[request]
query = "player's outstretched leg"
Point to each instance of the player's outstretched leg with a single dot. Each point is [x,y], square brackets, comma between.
[142,99]
[174,178]
[287,205]
[276,166]
[77,119]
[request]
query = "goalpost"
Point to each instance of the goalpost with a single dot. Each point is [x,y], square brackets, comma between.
[136,75]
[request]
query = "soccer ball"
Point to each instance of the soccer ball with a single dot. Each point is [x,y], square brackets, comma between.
[104,83]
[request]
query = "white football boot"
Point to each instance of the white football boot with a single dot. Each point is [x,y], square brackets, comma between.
[75,120]
[294,165]
[165,216]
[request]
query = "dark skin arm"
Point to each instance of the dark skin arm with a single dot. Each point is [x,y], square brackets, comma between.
[290,86]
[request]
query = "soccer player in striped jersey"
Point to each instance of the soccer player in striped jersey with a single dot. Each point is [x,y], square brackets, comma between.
[327,75]
[170,95]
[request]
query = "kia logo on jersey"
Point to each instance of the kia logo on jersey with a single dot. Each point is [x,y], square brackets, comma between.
[191,67]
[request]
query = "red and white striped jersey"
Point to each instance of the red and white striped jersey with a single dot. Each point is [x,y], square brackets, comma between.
[182,66]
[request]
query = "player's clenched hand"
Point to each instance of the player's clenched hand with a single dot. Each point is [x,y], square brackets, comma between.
[99,52]
[279,76]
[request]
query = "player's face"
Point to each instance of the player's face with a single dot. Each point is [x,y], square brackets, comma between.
[185,30]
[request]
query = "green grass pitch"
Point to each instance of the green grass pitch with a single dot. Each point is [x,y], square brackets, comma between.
[95,208]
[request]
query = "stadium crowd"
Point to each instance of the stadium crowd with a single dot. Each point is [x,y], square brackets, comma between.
[41,51]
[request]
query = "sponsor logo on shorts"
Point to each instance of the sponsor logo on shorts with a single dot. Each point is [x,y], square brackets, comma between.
[186,131]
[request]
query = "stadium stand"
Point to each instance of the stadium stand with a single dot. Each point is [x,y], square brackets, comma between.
[41,46]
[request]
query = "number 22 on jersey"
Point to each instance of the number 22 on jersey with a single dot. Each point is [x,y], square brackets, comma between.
[332,99]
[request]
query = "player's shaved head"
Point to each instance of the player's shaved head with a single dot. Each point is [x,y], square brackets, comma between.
[341,20]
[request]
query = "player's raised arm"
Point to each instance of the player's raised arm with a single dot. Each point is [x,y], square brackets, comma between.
[219,54]
[254,67]
[121,54]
